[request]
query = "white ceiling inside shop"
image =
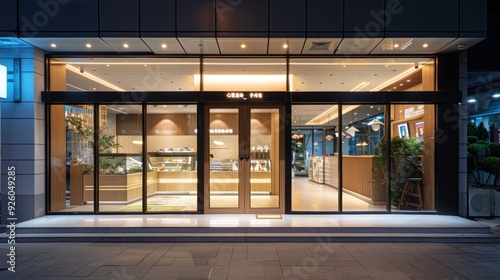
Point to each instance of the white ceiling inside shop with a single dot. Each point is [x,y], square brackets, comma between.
[176,74]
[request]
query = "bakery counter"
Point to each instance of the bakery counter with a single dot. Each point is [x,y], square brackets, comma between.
[119,188]
[177,182]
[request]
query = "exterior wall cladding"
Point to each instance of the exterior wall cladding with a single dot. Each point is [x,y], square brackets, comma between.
[29,19]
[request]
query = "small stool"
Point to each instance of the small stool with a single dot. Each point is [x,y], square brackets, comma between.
[412,188]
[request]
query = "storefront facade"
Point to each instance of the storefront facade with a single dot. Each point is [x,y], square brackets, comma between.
[207,110]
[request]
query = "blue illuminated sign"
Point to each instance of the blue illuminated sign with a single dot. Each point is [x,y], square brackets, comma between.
[3,81]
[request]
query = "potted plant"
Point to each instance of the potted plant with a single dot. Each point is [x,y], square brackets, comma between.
[406,162]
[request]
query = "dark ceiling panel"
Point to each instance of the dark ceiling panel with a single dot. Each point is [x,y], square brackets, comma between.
[158,15]
[70,16]
[242,16]
[119,15]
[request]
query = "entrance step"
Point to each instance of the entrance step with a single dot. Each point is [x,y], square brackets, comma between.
[246,228]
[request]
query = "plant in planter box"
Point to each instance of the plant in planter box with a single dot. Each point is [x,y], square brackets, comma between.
[483,161]
[405,163]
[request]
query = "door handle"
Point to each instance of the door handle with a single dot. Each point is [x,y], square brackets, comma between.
[247,157]
[242,157]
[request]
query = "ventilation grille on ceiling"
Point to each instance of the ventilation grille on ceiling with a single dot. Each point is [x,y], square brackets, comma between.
[320,46]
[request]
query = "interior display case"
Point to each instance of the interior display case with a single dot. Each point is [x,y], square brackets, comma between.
[223,165]
[317,169]
[176,171]
[173,161]
[120,164]
[120,179]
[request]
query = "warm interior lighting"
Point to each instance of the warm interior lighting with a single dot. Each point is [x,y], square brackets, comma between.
[163,46]
[285,46]
[406,73]
[137,142]
[93,78]
[329,137]
[396,45]
[375,124]
[125,45]
[53,45]
[219,142]
[243,82]
[88,46]
[333,112]
[425,45]
[243,46]
[360,86]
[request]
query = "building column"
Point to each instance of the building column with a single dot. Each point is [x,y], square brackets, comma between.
[462,137]
[23,133]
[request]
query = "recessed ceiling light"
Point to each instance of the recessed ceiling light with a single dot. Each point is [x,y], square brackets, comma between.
[401,84]
[125,45]
[107,65]
[371,107]
[145,65]
[285,46]
[93,88]
[243,46]
[408,81]
[164,46]
[53,45]
[395,87]
[396,45]
[425,45]
[496,95]
[88,46]
[472,100]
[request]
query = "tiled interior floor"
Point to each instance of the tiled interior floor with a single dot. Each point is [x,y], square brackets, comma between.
[319,260]
[306,196]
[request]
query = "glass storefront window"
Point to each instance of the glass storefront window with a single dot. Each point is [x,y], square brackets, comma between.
[314,146]
[126,74]
[361,74]
[412,157]
[244,74]
[171,146]
[71,158]
[363,179]
[120,158]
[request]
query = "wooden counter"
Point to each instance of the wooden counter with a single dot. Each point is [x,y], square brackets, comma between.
[358,179]
[227,181]
[180,181]
[119,188]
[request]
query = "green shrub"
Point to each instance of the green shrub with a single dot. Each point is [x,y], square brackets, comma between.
[494,149]
[491,165]
[472,139]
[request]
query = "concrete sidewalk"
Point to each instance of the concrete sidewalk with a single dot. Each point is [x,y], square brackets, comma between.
[318,260]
